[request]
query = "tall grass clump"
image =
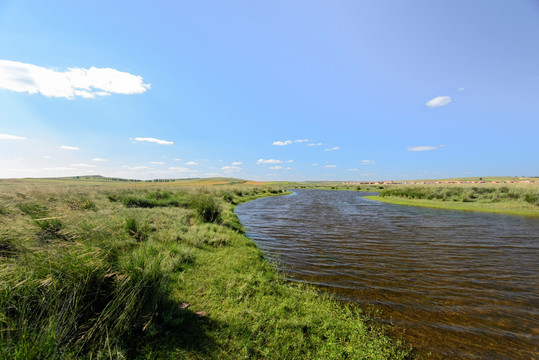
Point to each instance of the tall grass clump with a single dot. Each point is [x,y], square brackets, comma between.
[207,207]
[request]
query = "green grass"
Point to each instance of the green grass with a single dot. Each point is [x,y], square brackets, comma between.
[511,199]
[93,272]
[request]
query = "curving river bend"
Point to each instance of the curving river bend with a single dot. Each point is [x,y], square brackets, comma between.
[461,284]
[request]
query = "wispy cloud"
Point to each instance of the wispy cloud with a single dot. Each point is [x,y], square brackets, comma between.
[11,137]
[288,142]
[83,165]
[315,144]
[438,101]
[236,163]
[315,164]
[151,140]
[99,160]
[460,89]
[422,148]
[333,148]
[59,168]
[156,162]
[140,167]
[330,166]
[275,167]
[268,161]
[191,163]
[230,169]
[75,82]
[66,147]
[289,161]
[182,170]
[368,162]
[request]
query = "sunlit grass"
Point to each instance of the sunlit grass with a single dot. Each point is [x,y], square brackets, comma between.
[94,272]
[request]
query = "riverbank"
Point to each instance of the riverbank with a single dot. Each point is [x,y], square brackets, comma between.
[158,272]
[520,200]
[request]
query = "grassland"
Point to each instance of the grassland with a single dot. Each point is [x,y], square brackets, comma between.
[514,199]
[94,269]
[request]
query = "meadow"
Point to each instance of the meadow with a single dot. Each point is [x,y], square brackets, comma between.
[120,270]
[515,199]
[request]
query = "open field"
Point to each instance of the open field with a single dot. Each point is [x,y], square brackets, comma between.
[96,269]
[515,199]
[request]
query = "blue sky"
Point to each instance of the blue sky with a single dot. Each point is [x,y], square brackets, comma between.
[274,90]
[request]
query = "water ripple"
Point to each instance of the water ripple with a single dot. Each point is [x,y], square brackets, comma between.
[464,285]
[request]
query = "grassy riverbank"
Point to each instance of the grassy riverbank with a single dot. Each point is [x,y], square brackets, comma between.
[517,199]
[157,271]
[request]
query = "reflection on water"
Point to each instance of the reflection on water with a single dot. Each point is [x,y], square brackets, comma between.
[463,285]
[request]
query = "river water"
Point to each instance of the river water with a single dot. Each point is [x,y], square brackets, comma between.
[462,284]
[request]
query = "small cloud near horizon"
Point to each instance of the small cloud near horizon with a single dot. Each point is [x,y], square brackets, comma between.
[288,142]
[333,148]
[151,140]
[99,160]
[268,161]
[83,165]
[11,137]
[422,148]
[236,163]
[330,166]
[368,162]
[191,163]
[315,144]
[438,101]
[66,147]
[230,168]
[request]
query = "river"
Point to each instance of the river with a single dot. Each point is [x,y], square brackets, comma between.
[462,284]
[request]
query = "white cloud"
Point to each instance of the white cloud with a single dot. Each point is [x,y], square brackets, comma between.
[86,83]
[99,160]
[288,142]
[269,161]
[368,162]
[438,101]
[152,140]
[275,167]
[191,163]
[156,163]
[177,159]
[422,148]
[65,147]
[236,163]
[46,157]
[230,168]
[330,166]
[352,169]
[83,165]
[460,89]
[282,143]
[333,148]
[315,164]
[289,168]
[289,161]
[10,137]
[315,144]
